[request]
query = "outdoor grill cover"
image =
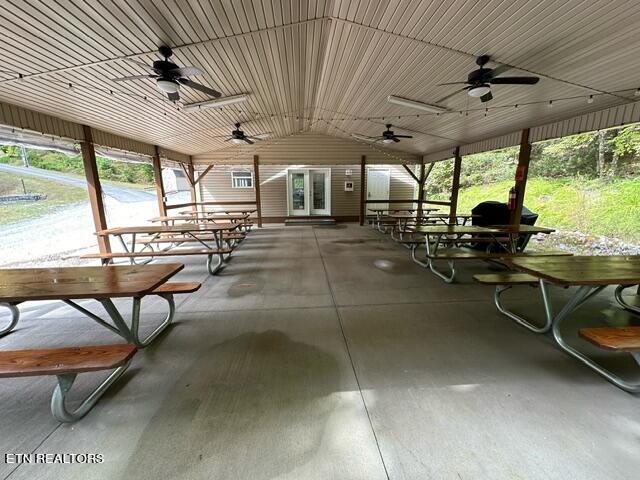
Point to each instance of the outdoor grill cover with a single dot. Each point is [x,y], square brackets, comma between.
[498,213]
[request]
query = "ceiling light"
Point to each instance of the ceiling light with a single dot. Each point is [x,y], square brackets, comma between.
[637,93]
[218,102]
[413,104]
[590,99]
[237,141]
[387,140]
[168,86]
[479,91]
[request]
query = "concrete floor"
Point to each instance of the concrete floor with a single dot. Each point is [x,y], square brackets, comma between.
[326,353]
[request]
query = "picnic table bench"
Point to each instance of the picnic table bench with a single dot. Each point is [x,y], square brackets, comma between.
[66,364]
[591,275]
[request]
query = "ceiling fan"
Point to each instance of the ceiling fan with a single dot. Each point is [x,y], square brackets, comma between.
[239,137]
[169,77]
[387,136]
[479,81]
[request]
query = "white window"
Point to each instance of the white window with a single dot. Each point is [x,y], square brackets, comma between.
[241,179]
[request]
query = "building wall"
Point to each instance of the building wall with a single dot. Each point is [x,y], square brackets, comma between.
[216,186]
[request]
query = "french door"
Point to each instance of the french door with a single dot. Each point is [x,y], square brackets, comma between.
[309,191]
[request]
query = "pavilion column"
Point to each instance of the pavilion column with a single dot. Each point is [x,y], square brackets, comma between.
[522,172]
[157,175]
[455,186]
[363,185]
[94,188]
[256,184]
[421,182]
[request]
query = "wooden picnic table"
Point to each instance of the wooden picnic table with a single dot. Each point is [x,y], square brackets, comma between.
[172,219]
[194,232]
[242,211]
[591,275]
[68,284]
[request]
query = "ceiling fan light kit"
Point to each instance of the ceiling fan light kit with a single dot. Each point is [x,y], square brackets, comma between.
[217,103]
[168,86]
[479,91]
[405,102]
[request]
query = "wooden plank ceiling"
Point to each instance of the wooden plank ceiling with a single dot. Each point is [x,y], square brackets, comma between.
[321,66]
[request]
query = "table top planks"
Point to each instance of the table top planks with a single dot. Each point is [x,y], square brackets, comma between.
[67,283]
[182,228]
[455,230]
[583,269]
[523,229]
[191,218]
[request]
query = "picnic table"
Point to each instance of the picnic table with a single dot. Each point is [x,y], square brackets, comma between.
[242,211]
[200,233]
[240,219]
[68,284]
[504,237]
[591,275]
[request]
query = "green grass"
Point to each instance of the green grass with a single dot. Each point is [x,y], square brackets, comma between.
[595,207]
[58,195]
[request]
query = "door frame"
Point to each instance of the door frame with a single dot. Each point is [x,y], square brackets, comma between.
[307,191]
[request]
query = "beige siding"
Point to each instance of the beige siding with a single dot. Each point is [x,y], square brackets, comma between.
[216,186]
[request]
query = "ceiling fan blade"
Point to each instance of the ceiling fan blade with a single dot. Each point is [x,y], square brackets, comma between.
[133,77]
[201,88]
[499,70]
[174,96]
[141,64]
[452,83]
[395,139]
[514,80]
[229,139]
[486,97]
[248,141]
[261,136]
[364,138]
[451,95]
[403,136]
[187,71]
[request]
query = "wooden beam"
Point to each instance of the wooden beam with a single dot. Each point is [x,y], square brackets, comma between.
[363,181]
[421,182]
[203,174]
[187,174]
[429,168]
[94,188]
[191,175]
[256,185]
[455,186]
[522,172]
[157,176]
[413,175]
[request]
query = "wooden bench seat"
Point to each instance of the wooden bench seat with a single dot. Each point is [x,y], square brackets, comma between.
[58,361]
[616,339]
[468,254]
[171,288]
[66,364]
[506,278]
[162,253]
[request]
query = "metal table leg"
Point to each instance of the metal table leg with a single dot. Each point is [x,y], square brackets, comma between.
[500,289]
[15,316]
[622,301]
[583,294]
[65,382]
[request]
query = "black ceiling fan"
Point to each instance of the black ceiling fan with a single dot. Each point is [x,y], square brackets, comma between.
[170,77]
[479,81]
[238,136]
[387,136]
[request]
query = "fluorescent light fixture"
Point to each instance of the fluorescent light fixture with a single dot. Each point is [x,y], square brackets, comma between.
[479,91]
[216,103]
[404,102]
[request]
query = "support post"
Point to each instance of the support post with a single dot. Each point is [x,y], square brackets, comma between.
[191,176]
[157,175]
[256,185]
[455,186]
[94,188]
[522,172]
[421,180]
[363,185]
